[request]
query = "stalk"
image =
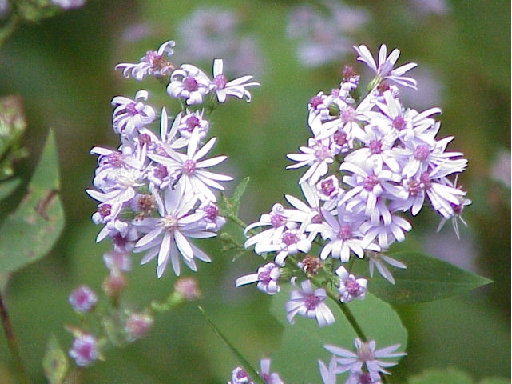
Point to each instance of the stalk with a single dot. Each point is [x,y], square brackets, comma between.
[12,344]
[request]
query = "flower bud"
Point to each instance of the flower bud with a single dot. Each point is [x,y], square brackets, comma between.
[82,299]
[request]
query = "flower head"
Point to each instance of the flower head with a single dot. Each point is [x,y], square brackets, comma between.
[153,63]
[309,302]
[366,356]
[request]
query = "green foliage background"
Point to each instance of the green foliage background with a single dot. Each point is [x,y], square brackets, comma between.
[63,69]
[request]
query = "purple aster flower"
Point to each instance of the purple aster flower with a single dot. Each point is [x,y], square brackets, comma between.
[83,299]
[309,302]
[166,236]
[189,170]
[189,83]
[68,4]
[384,69]
[153,63]
[236,87]
[266,277]
[239,376]
[343,231]
[366,356]
[278,220]
[84,350]
[349,287]
[129,115]
[317,156]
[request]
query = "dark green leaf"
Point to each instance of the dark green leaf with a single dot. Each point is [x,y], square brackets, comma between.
[425,279]
[55,362]
[32,229]
[8,186]
[302,342]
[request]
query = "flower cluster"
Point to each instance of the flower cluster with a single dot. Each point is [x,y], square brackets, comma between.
[155,191]
[368,163]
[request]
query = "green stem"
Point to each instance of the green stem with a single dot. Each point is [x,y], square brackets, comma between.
[12,343]
[353,322]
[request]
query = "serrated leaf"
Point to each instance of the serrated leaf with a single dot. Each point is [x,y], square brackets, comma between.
[55,362]
[425,279]
[302,342]
[29,232]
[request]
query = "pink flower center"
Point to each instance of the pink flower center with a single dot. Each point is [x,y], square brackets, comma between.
[340,138]
[414,187]
[104,210]
[322,152]
[399,123]
[375,147]
[370,182]
[190,84]
[315,102]
[352,287]
[345,232]
[421,152]
[189,167]
[277,220]
[311,301]
[211,212]
[192,122]
[220,81]
[290,238]
[327,187]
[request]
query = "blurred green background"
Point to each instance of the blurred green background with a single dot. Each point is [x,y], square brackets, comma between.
[63,68]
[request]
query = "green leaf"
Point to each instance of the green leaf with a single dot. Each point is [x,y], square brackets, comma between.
[425,279]
[253,374]
[450,376]
[55,362]
[230,205]
[32,229]
[302,342]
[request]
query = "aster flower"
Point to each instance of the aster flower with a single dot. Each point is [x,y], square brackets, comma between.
[189,83]
[349,287]
[84,350]
[317,156]
[167,236]
[309,302]
[366,356]
[343,231]
[266,277]
[189,170]
[279,219]
[153,63]
[130,115]
[83,299]
[236,87]
[384,68]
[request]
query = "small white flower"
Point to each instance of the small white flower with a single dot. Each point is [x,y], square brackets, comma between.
[236,87]
[309,302]
[189,83]
[267,278]
[350,288]
[365,355]
[384,69]
[130,115]
[153,63]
